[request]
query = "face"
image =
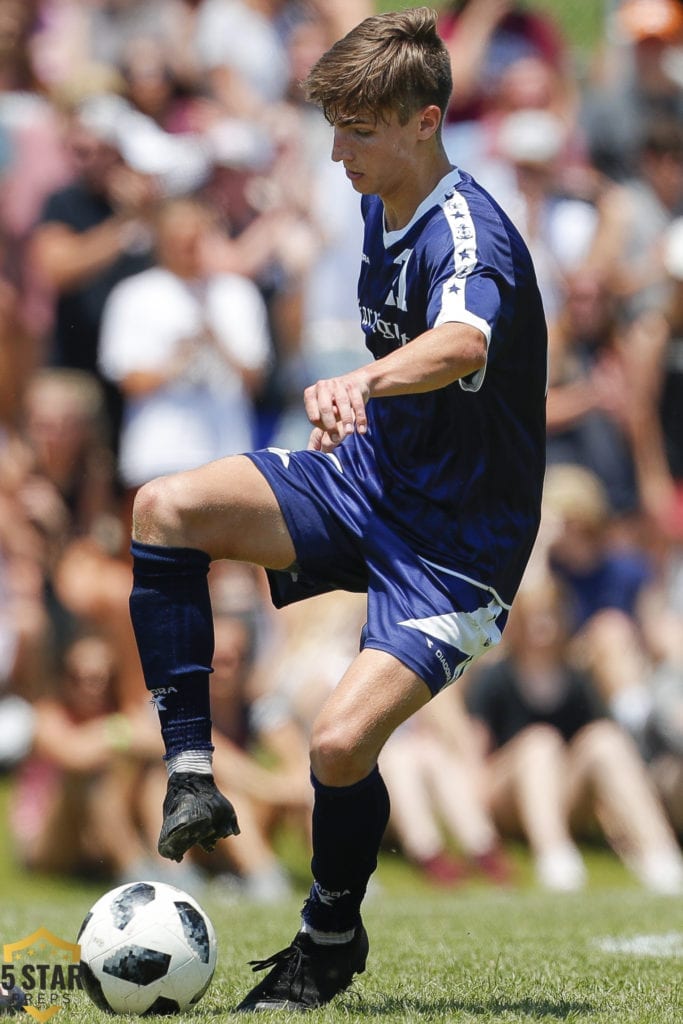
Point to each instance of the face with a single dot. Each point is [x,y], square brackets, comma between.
[57,425]
[537,622]
[379,156]
[90,673]
[93,159]
[182,232]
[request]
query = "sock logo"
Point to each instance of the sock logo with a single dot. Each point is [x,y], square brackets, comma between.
[327,896]
[159,696]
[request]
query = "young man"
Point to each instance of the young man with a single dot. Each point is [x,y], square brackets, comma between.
[421,486]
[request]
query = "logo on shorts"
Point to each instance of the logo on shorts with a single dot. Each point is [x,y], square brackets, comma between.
[447,670]
[39,975]
[282,453]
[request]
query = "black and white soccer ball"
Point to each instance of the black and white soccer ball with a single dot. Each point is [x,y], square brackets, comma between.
[146,947]
[12,1000]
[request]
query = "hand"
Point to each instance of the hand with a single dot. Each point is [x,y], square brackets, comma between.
[319,441]
[337,408]
[130,192]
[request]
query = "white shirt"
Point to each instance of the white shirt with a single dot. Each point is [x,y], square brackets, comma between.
[205,412]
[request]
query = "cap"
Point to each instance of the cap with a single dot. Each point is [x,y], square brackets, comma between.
[651,19]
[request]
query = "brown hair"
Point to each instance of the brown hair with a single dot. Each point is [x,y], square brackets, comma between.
[393,62]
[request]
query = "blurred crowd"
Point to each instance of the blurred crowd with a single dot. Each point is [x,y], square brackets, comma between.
[178,259]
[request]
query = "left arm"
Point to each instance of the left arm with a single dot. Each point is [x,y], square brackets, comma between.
[441,355]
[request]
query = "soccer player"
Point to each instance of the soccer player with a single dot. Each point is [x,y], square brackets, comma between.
[421,485]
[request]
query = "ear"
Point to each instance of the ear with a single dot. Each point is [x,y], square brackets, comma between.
[429,119]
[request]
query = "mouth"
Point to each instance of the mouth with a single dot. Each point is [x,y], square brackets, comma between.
[353,175]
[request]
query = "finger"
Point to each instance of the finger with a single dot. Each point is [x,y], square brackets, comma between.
[311,404]
[315,441]
[345,416]
[329,443]
[320,406]
[357,402]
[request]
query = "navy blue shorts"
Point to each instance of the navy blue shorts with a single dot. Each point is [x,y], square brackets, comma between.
[434,619]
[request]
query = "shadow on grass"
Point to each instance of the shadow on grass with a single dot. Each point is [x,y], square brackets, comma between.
[536,1009]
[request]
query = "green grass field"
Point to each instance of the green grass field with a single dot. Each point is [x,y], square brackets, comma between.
[611,955]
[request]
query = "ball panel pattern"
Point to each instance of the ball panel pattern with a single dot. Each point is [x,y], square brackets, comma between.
[129,901]
[194,929]
[137,964]
[92,986]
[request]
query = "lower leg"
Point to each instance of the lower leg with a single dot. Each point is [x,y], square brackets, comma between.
[628,807]
[171,614]
[351,808]
[535,765]
[348,825]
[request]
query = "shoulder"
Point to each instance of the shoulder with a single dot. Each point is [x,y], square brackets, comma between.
[148,286]
[469,218]
[235,284]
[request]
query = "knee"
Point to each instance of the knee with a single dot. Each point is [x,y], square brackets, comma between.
[337,759]
[540,744]
[604,742]
[160,511]
[611,630]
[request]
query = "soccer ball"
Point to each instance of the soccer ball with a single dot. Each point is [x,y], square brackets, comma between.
[12,1000]
[146,947]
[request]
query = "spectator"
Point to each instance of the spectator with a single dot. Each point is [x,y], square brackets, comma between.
[187,349]
[658,437]
[605,582]
[559,228]
[637,215]
[632,88]
[241,54]
[665,737]
[32,158]
[152,86]
[19,357]
[262,796]
[556,760]
[75,36]
[60,471]
[75,797]
[433,774]
[92,234]
[67,439]
[484,38]
[591,396]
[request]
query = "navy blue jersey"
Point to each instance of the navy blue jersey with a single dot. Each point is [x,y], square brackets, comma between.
[458,471]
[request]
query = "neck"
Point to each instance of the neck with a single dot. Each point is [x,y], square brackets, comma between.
[400,207]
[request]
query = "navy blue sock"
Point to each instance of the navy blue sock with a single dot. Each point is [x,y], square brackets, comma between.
[170,609]
[348,825]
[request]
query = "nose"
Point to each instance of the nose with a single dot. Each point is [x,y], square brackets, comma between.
[340,147]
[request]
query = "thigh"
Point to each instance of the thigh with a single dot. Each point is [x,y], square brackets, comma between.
[226,508]
[326,512]
[502,789]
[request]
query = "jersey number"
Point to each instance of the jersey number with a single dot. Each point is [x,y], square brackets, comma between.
[397,295]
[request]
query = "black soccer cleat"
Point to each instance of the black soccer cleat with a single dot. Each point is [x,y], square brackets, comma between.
[306,974]
[195,814]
